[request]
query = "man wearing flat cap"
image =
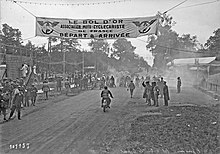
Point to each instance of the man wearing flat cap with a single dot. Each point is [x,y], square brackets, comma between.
[16,102]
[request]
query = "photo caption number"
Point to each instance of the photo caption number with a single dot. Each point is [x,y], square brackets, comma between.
[12,146]
[20,146]
[23,145]
[27,145]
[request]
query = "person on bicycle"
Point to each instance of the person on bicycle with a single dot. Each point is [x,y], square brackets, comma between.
[105,95]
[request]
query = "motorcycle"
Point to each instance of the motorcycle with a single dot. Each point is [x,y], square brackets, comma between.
[105,105]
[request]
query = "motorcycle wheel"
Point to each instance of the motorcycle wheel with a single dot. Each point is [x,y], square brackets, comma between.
[104,108]
[104,105]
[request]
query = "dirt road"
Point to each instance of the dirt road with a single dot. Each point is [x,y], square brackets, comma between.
[78,125]
[63,127]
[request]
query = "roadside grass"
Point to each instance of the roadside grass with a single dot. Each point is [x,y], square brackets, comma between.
[175,129]
[166,130]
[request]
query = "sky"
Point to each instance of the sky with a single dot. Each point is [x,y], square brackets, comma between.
[201,20]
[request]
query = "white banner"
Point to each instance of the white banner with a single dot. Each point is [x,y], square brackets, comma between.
[96,28]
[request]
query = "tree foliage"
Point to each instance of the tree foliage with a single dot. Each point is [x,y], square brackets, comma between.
[169,45]
[121,56]
[122,48]
[123,51]
[213,43]
[100,52]
[99,46]
[10,36]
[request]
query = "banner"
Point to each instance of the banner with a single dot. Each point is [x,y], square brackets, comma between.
[96,28]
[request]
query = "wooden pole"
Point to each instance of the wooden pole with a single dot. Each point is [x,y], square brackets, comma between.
[83,63]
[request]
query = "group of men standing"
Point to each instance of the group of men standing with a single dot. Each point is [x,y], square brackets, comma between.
[157,88]
[152,91]
[14,95]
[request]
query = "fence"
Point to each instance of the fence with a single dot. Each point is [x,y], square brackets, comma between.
[211,86]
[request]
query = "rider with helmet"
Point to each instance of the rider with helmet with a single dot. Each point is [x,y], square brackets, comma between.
[105,95]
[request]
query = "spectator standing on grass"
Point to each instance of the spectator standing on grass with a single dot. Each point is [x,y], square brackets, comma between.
[166,94]
[45,89]
[4,102]
[16,102]
[131,87]
[179,85]
[59,83]
[112,81]
[27,96]
[160,84]
[33,94]
[67,86]
[137,81]
[22,90]
[141,81]
[147,92]
[155,93]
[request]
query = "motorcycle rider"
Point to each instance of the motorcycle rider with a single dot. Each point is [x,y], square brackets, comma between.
[105,95]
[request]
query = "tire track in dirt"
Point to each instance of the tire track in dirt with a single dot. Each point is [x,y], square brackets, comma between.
[91,131]
[88,127]
[86,117]
[28,136]
[75,124]
[63,139]
[45,135]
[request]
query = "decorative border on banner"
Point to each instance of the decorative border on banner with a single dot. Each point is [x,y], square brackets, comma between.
[112,28]
[68,4]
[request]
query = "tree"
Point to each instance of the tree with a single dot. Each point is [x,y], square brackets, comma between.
[99,46]
[213,43]
[72,53]
[68,45]
[10,38]
[127,60]
[159,46]
[169,45]
[122,47]
[188,42]
[100,49]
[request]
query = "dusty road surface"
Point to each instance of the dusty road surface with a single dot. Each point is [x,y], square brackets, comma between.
[78,125]
[63,127]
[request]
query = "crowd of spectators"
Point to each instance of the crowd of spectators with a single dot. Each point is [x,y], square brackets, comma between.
[28,94]
[9,89]
[14,94]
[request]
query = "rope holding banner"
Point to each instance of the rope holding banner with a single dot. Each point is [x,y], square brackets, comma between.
[68,4]
[24,8]
[175,6]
